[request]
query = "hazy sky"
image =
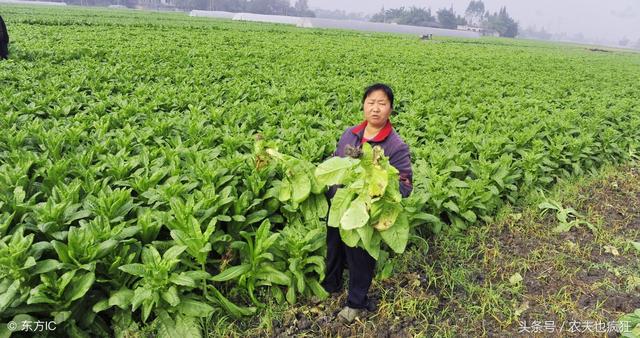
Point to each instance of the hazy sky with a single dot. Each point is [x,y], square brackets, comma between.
[599,19]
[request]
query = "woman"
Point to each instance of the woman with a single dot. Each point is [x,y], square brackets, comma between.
[377,104]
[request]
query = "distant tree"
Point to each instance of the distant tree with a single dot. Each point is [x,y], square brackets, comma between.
[414,16]
[502,23]
[281,7]
[394,14]
[533,33]
[192,4]
[301,8]
[389,15]
[275,7]
[475,12]
[230,5]
[301,5]
[447,18]
[379,17]
[340,14]
[460,20]
[259,6]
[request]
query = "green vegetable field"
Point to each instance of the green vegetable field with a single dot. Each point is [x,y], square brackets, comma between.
[134,192]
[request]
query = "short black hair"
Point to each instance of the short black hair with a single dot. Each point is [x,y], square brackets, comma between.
[379,86]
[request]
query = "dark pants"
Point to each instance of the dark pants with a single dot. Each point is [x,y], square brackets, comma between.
[361,269]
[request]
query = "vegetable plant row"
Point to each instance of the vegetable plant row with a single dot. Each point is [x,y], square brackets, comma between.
[133,190]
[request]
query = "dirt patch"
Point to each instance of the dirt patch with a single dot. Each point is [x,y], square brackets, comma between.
[579,275]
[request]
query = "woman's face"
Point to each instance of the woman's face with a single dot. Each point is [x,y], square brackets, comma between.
[377,108]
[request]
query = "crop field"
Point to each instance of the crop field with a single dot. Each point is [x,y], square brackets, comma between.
[132,192]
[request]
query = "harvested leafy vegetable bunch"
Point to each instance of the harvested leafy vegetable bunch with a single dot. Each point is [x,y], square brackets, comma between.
[367,208]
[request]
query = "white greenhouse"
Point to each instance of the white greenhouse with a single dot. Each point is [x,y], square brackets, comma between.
[44,3]
[213,14]
[287,20]
[338,24]
[382,27]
